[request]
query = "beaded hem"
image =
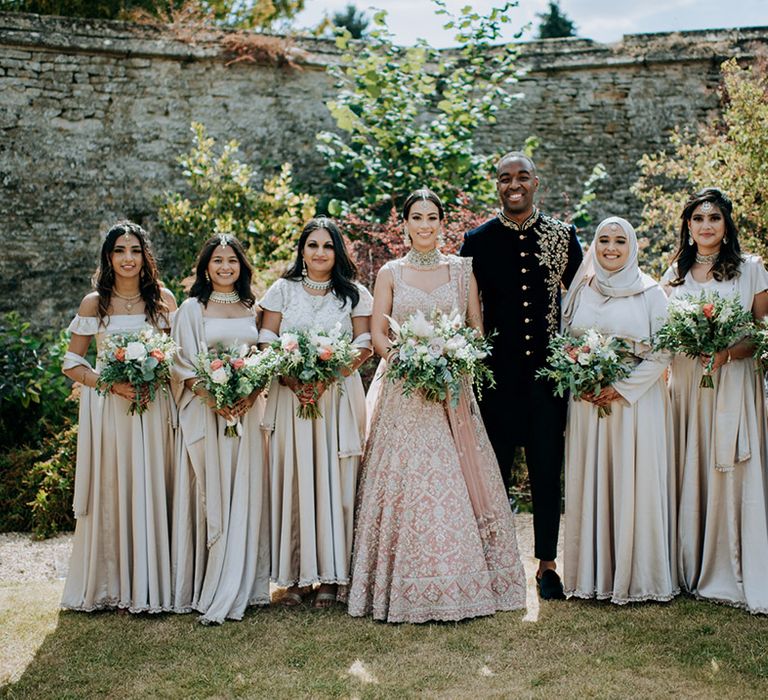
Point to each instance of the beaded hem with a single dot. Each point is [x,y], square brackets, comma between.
[649,597]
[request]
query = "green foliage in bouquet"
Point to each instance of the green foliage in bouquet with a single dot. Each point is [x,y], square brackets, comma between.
[729,153]
[410,116]
[703,324]
[222,197]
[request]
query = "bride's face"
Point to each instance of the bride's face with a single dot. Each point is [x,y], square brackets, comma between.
[423,225]
[612,248]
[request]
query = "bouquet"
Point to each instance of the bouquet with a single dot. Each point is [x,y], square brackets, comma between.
[313,356]
[760,338]
[229,375]
[703,325]
[435,355]
[586,364]
[142,359]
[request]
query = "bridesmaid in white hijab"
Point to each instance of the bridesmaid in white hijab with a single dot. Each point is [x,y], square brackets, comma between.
[619,487]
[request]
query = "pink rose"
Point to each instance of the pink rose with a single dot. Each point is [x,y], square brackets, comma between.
[237,364]
[325,353]
[708,310]
[216,364]
[159,355]
[291,346]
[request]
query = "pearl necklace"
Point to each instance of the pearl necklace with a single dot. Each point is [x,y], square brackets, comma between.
[129,301]
[423,260]
[225,297]
[706,259]
[317,286]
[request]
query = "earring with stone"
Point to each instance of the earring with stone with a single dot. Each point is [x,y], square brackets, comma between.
[407,237]
[303,267]
[690,239]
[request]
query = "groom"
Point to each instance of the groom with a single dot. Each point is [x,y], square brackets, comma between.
[521,258]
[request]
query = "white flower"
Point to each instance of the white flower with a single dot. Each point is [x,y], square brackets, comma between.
[420,326]
[455,343]
[583,358]
[135,351]
[436,346]
[219,376]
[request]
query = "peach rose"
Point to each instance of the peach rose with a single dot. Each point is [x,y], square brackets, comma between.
[325,353]
[158,354]
[708,310]
[238,364]
[216,364]
[120,354]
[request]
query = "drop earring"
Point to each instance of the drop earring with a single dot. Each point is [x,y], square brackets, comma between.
[725,239]
[407,237]
[207,276]
[690,239]
[303,267]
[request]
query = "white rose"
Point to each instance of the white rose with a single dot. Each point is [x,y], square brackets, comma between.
[436,346]
[135,351]
[219,376]
[583,358]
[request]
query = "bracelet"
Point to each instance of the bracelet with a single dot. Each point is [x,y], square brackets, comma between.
[195,384]
[728,361]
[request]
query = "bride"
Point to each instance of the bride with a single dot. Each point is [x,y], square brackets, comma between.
[435,538]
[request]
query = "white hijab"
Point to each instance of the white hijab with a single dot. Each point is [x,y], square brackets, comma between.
[626,282]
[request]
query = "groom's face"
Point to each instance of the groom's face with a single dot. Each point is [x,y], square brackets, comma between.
[516,183]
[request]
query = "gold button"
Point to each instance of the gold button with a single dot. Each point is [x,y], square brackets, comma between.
[525,287]
[527,352]
[527,337]
[522,237]
[525,303]
[527,320]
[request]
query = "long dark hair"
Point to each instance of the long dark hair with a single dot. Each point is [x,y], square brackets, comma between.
[149,282]
[344,271]
[202,287]
[729,258]
[424,194]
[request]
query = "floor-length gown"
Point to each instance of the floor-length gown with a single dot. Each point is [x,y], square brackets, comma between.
[619,470]
[314,463]
[722,465]
[220,538]
[420,553]
[120,555]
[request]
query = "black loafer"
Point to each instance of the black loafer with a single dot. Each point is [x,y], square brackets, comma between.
[550,586]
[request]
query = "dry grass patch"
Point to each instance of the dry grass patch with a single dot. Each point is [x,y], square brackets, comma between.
[577,649]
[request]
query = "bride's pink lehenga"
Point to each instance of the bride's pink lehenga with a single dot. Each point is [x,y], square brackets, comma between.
[422,550]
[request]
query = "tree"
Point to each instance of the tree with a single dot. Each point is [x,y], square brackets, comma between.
[246,14]
[408,117]
[353,20]
[554,23]
[729,153]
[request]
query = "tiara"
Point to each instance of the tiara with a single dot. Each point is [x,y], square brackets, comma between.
[225,239]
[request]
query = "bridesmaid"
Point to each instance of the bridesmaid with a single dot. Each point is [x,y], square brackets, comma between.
[619,476]
[120,556]
[720,433]
[220,545]
[434,538]
[314,463]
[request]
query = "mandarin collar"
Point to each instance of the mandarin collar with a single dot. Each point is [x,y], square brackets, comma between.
[509,223]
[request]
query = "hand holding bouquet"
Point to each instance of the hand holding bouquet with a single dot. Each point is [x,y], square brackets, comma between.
[231,375]
[435,355]
[141,359]
[586,365]
[703,324]
[313,358]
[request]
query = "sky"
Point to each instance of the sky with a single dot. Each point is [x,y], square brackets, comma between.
[605,21]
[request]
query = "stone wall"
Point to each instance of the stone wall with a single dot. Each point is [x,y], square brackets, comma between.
[93,115]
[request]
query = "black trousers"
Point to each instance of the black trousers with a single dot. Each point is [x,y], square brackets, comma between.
[528,415]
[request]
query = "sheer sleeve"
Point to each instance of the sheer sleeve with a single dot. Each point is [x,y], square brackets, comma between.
[274,298]
[364,306]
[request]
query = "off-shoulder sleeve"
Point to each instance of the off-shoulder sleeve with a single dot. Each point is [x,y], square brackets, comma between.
[84,325]
[364,306]
[274,298]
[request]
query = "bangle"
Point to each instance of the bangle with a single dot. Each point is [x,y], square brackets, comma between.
[195,384]
[728,361]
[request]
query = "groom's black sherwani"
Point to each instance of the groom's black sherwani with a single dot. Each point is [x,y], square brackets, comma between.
[520,270]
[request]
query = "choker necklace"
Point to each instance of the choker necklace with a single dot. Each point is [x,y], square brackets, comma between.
[225,297]
[317,286]
[706,259]
[423,260]
[129,301]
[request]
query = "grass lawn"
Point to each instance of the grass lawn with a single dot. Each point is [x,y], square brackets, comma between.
[685,649]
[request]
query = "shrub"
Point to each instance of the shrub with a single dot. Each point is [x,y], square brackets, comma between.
[408,117]
[729,153]
[222,197]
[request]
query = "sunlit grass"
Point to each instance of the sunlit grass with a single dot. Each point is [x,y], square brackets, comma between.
[576,649]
